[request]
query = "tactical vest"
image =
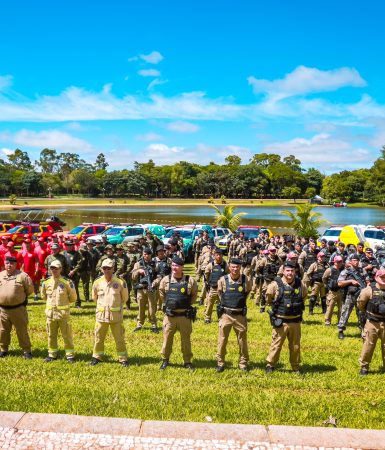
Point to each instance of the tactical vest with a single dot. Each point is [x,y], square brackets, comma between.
[270,270]
[177,295]
[150,267]
[289,301]
[164,268]
[217,272]
[235,294]
[333,280]
[249,257]
[376,305]
[354,290]
[311,257]
[318,274]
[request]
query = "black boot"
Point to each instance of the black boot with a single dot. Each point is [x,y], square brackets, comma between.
[312,301]
[323,304]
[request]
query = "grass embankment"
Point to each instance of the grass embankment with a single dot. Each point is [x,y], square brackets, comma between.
[81,201]
[330,384]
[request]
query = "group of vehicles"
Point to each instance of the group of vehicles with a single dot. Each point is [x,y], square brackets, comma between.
[351,235]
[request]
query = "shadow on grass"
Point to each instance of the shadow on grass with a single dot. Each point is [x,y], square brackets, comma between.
[317,368]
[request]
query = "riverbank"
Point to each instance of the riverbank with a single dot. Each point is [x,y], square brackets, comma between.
[60,202]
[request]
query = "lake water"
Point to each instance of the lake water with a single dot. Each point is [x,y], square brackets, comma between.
[256,215]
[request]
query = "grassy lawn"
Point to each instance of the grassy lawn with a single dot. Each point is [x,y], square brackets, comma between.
[330,385]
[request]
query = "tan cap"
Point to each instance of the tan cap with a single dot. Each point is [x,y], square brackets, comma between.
[108,263]
[56,263]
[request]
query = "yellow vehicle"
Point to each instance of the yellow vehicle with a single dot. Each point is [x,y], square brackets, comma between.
[351,235]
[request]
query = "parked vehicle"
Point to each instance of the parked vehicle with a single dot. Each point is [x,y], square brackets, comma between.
[188,233]
[18,233]
[253,231]
[6,225]
[86,230]
[331,234]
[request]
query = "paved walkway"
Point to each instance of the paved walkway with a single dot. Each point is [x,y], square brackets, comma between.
[60,431]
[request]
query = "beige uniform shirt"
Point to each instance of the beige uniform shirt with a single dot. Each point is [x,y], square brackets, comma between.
[110,297]
[192,287]
[222,284]
[14,289]
[59,294]
[272,290]
[364,297]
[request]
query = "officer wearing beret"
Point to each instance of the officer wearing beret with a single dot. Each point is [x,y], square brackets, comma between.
[233,290]
[178,292]
[15,287]
[59,293]
[110,294]
[372,301]
[287,296]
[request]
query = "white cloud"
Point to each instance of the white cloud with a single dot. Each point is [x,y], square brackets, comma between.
[7,151]
[156,82]
[5,82]
[55,139]
[305,80]
[322,150]
[149,137]
[149,73]
[183,127]
[152,58]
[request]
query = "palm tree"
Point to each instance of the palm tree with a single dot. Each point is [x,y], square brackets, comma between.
[304,220]
[226,217]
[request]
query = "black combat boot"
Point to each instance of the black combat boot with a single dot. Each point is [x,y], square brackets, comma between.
[323,304]
[312,301]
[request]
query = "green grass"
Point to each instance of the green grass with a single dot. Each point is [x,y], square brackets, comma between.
[330,384]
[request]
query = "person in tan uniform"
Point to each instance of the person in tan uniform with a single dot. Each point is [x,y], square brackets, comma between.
[15,287]
[313,278]
[268,267]
[110,294]
[178,292]
[334,293]
[233,290]
[59,293]
[213,272]
[372,301]
[287,296]
[204,259]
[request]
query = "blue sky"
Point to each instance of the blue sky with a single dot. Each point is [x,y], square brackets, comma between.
[194,80]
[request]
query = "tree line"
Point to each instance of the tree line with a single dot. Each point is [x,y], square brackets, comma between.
[266,175]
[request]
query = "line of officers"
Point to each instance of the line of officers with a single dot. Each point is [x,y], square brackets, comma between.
[276,272]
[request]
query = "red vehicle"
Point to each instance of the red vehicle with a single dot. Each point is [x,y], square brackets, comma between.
[6,225]
[86,230]
[18,233]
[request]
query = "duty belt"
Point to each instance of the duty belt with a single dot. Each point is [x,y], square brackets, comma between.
[103,308]
[179,313]
[290,319]
[25,302]
[232,312]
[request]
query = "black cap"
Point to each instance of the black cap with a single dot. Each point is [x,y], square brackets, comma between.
[69,242]
[177,260]
[330,242]
[341,244]
[218,250]
[289,264]
[147,250]
[323,240]
[354,256]
[235,261]
[159,248]
[10,258]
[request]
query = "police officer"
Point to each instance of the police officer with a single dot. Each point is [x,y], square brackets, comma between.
[308,256]
[162,268]
[198,246]
[334,292]
[353,279]
[108,254]
[287,296]
[369,263]
[178,292]
[372,301]
[144,275]
[110,294]
[313,278]
[75,262]
[233,290]
[213,272]
[268,267]
[85,269]
[15,287]
[59,293]
[55,248]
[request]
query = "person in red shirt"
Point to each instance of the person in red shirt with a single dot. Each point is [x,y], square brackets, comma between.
[41,251]
[3,251]
[13,252]
[30,265]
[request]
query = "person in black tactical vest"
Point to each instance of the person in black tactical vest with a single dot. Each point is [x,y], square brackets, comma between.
[268,267]
[340,251]
[247,255]
[213,272]
[85,270]
[313,278]
[334,292]
[380,255]
[163,268]
[144,276]
[369,263]
[353,279]
[178,293]
[372,301]
[286,296]
[75,262]
[233,290]
[308,256]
